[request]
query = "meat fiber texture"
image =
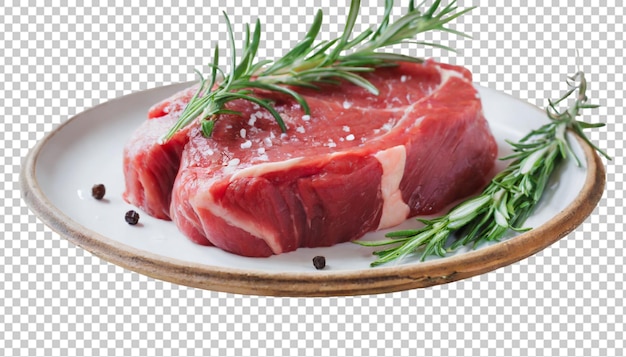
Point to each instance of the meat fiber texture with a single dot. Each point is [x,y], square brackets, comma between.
[358,163]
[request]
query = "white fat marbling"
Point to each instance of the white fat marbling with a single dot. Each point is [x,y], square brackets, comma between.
[395,211]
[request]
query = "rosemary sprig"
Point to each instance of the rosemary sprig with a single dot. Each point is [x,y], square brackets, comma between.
[308,64]
[510,197]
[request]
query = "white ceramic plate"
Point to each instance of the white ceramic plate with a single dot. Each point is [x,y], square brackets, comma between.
[58,174]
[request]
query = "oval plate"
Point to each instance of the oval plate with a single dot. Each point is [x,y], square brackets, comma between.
[59,171]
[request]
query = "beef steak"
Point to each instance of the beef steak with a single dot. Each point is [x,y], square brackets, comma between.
[359,162]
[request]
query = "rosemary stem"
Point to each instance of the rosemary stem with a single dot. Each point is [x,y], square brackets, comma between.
[510,197]
[308,64]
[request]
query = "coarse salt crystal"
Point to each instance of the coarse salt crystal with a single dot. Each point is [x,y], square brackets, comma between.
[350,137]
[331,144]
[403,79]
[261,151]
[242,132]
[283,136]
[346,128]
[347,105]
[300,129]
[306,117]
[246,145]
[252,120]
[234,162]
[267,141]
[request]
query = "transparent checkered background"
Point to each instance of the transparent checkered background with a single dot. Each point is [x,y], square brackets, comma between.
[57,299]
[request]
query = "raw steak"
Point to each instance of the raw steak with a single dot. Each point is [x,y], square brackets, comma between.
[149,167]
[358,163]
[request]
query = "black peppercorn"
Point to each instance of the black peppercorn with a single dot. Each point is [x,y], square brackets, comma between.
[319,262]
[132,217]
[98,191]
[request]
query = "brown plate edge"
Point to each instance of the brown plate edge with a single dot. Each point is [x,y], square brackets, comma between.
[317,283]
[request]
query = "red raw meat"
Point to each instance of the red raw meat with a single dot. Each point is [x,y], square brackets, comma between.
[149,167]
[358,163]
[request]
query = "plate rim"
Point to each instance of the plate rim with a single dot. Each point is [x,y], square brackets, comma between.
[322,283]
